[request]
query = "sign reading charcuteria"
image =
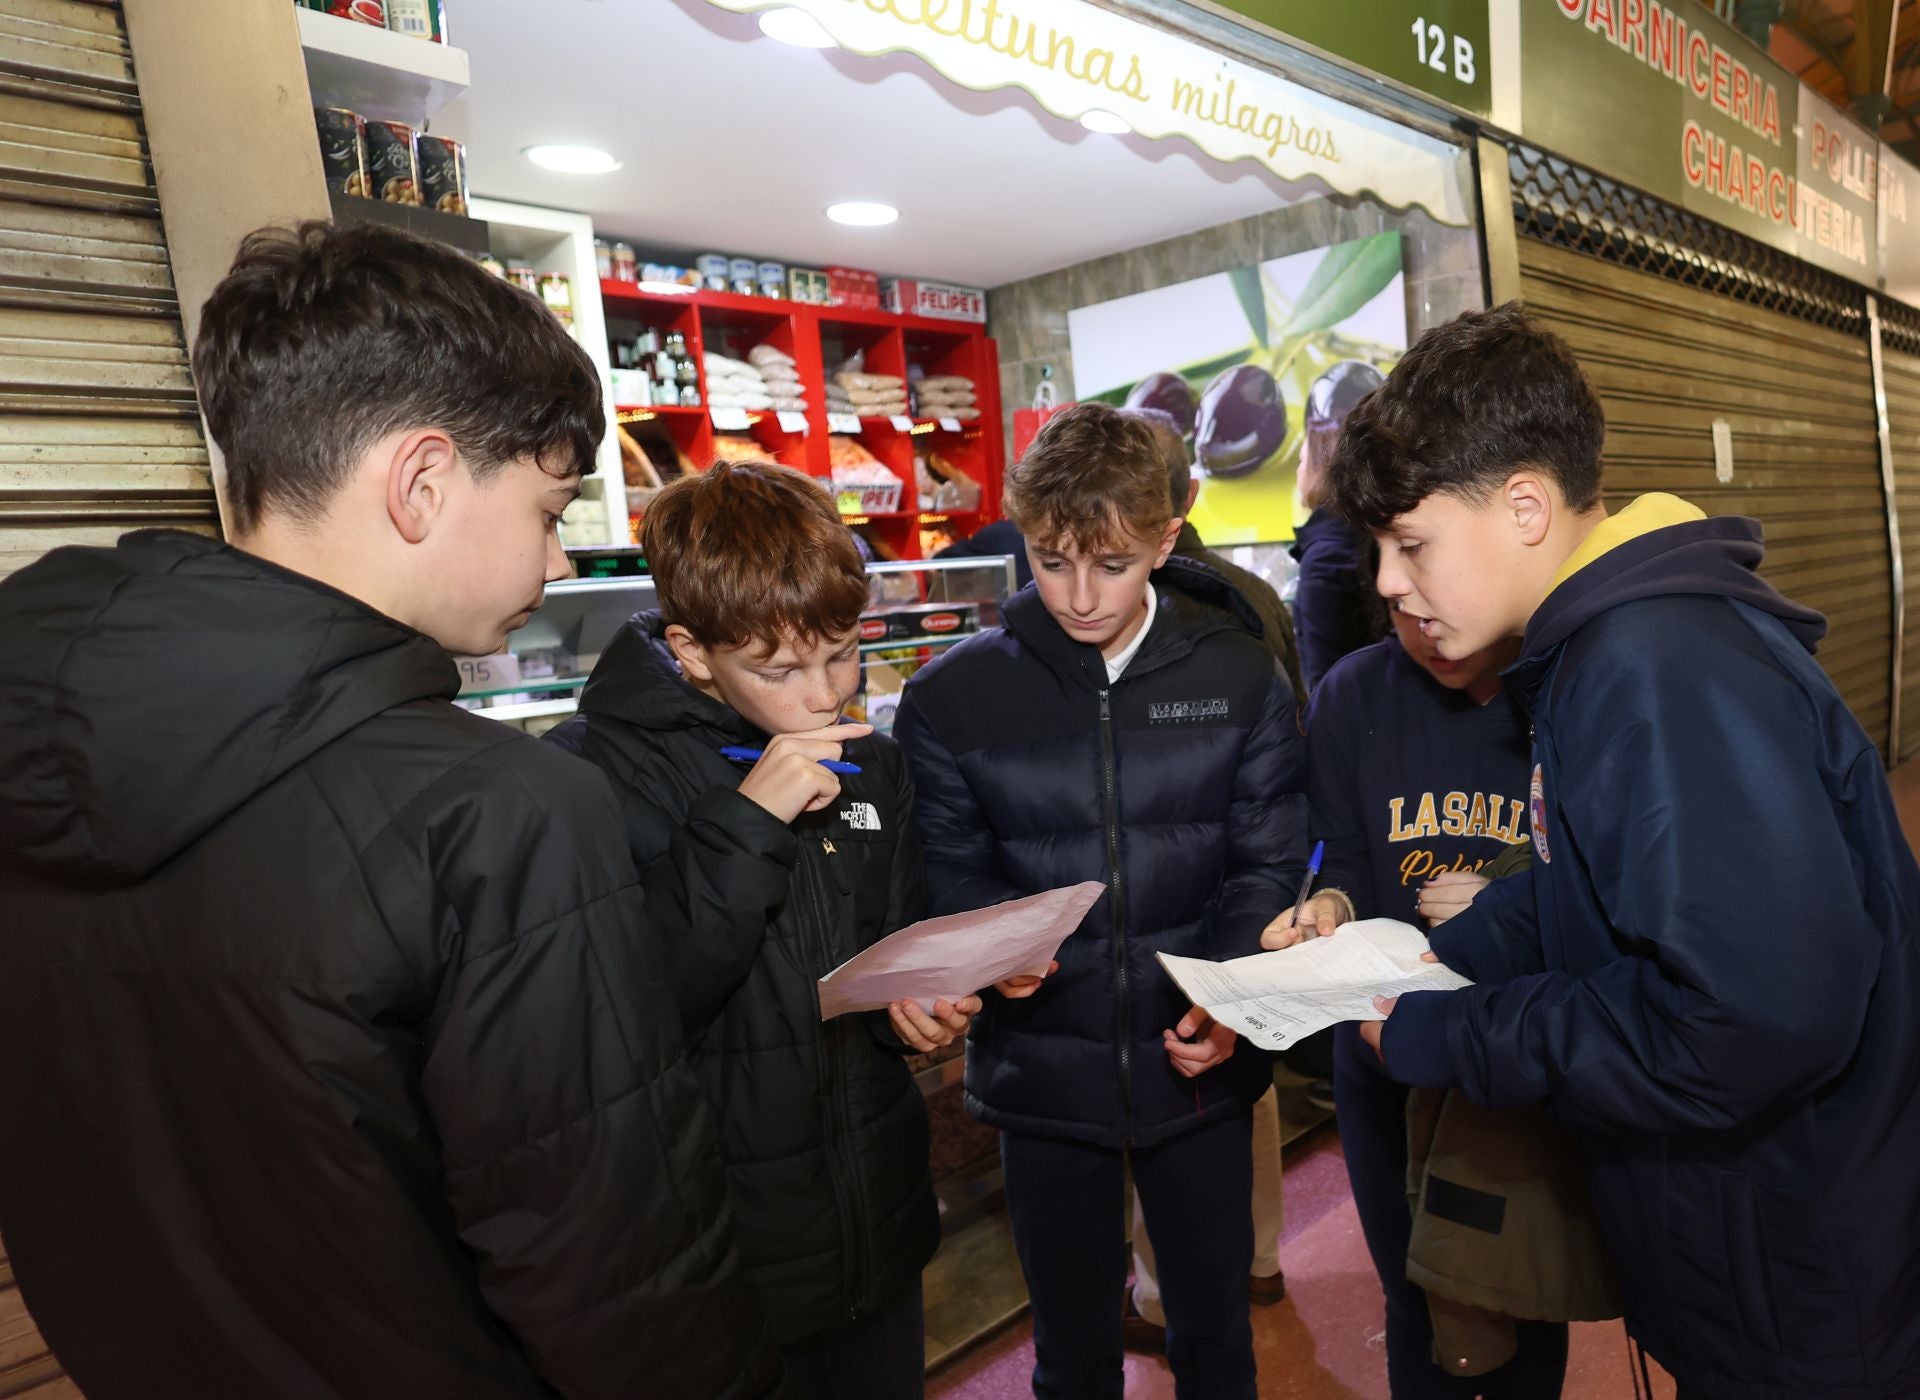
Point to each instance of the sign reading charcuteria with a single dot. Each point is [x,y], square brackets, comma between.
[1074,58]
[1668,98]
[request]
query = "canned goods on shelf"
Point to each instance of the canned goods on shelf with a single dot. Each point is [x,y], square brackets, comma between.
[443,174]
[343,150]
[393,169]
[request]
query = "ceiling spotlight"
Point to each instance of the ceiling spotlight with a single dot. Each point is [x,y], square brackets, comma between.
[572,160]
[1106,123]
[861,214]
[796,27]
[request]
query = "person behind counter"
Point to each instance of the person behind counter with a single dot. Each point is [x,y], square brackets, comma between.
[1711,974]
[334,1055]
[767,879]
[1124,725]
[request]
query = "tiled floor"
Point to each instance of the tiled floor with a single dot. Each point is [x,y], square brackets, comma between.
[1324,1341]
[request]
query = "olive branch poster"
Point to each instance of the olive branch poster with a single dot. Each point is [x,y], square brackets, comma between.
[1234,358]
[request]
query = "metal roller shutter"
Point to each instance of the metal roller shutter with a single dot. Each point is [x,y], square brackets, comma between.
[1681,324]
[1900,372]
[99,430]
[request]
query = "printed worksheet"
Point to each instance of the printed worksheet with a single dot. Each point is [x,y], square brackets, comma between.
[958,954]
[1277,998]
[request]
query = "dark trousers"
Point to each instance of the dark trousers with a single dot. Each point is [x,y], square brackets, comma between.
[1067,1202]
[883,1358]
[1372,1113]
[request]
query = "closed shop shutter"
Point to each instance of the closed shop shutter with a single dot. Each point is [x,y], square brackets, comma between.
[1682,324]
[99,431]
[1900,370]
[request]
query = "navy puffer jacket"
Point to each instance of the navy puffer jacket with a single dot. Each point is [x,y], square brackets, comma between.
[1180,787]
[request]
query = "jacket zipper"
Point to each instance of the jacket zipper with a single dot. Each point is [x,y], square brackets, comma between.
[842,1171]
[1118,914]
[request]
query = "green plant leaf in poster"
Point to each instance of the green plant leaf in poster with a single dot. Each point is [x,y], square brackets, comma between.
[1253,300]
[1349,276]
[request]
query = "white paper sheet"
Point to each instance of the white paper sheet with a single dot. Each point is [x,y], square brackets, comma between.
[1275,999]
[958,954]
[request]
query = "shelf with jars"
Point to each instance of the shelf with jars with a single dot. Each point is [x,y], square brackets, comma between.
[898,414]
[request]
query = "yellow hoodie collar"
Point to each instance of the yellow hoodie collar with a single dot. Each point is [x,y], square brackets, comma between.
[1653,511]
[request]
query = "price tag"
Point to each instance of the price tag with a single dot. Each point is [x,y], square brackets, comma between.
[791,422]
[901,424]
[729,420]
[843,423]
[949,425]
[482,673]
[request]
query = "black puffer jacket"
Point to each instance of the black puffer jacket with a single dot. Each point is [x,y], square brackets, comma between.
[1181,786]
[334,1061]
[821,1125]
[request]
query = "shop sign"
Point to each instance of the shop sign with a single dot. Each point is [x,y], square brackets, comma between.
[1668,98]
[1075,58]
[1438,47]
[1899,228]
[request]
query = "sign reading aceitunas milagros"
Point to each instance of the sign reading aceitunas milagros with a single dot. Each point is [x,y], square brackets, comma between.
[1668,98]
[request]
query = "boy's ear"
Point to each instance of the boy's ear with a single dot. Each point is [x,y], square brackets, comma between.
[689,653]
[1531,501]
[420,469]
[1168,538]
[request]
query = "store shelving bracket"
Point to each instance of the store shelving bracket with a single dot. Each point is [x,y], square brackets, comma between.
[379,74]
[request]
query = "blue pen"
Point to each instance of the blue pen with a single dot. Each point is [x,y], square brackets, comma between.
[739,753]
[1306,885]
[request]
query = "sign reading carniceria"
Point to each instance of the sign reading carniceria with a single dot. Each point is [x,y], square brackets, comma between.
[1075,58]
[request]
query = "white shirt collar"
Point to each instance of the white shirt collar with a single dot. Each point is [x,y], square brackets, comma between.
[1117,664]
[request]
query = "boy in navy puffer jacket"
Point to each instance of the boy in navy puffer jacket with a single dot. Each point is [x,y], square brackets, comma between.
[1125,725]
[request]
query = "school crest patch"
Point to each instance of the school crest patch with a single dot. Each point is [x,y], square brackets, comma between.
[1537,815]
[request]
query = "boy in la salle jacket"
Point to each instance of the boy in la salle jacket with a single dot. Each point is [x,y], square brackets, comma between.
[1711,975]
[1125,725]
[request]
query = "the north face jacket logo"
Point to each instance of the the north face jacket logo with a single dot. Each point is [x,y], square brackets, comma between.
[861,816]
[1186,711]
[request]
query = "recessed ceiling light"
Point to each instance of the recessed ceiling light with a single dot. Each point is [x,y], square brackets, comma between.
[861,214]
[1106,123]
[796,27]
[572,160]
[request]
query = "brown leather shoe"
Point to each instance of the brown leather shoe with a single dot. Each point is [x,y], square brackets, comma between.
[1264,1290]
[1138,1334]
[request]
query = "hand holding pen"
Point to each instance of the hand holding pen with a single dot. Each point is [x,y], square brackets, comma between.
[1313,915]
[797,773]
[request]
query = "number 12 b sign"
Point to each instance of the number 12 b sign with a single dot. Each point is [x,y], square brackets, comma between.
[1431,42]
[1438,47]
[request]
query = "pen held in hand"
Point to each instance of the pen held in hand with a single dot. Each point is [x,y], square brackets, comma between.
[1306,885]
[741,754]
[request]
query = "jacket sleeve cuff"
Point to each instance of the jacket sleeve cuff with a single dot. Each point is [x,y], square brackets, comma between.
[746,824]
[1416,1044]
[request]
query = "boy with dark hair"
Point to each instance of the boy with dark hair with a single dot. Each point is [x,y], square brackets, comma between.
[1125,725]
[775,878]
[1735,1042]
[334,1057]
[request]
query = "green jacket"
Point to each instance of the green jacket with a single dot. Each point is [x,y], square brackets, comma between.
[1502,1225]
[1276,623]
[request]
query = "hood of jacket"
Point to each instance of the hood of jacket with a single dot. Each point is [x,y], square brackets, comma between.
[1658,546]
[150,689]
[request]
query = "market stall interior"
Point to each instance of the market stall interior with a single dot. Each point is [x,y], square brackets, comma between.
[671,178]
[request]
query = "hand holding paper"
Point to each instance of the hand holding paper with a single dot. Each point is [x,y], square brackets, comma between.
[1276,999]
[949,957]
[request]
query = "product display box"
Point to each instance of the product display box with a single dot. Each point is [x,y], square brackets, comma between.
[905,296]
[850,287]
[926,620]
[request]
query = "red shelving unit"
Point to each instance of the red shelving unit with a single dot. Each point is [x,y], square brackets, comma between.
[818,337]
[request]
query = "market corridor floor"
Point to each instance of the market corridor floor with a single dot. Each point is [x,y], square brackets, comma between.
[1325,1341]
